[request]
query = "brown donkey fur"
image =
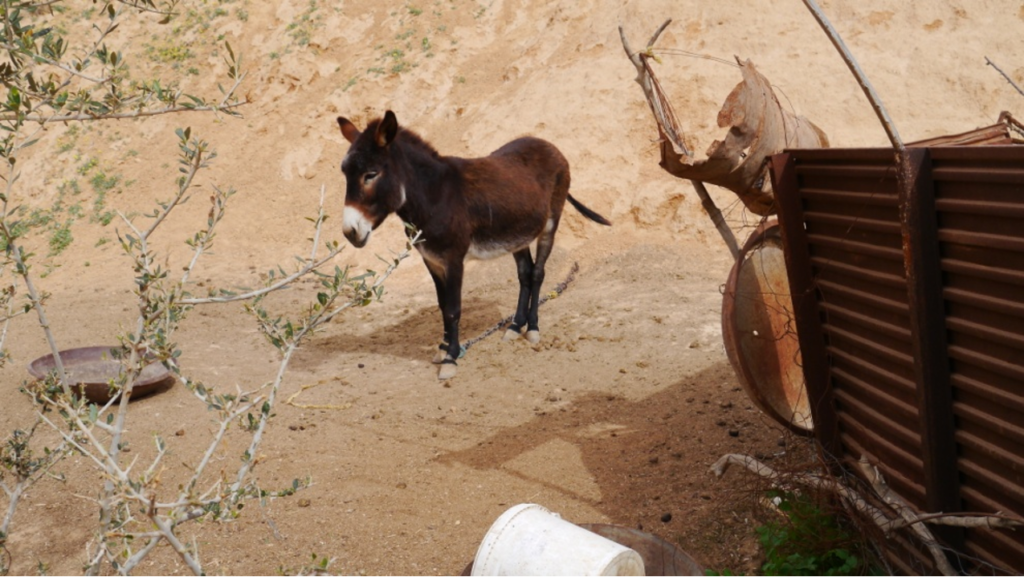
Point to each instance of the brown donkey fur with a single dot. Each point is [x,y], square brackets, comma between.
[465,207]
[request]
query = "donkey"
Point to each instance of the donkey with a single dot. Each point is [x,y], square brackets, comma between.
[465,207]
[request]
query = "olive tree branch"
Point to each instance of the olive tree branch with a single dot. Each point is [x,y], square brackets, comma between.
[310,265]
[280,284]
[321,314]
[27,471]
[184,184]
[132,114]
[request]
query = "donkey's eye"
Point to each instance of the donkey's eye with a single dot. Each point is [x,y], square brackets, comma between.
[370,177]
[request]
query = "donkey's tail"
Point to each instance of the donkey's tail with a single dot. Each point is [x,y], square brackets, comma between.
[589,213]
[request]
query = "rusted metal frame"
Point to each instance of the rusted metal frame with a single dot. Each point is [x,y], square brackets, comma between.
[805,304]
[928,335]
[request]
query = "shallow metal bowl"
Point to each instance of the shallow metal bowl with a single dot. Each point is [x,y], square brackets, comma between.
[92,369]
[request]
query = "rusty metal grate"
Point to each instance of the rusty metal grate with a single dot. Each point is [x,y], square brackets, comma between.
[910,313]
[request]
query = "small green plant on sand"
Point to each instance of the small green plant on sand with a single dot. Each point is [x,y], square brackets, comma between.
[810,540]
[317,566]
[806,537]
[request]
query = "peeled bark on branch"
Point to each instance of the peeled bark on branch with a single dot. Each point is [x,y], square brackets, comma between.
[668,128]
[758,127]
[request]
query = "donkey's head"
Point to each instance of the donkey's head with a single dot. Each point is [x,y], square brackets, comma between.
[373,187]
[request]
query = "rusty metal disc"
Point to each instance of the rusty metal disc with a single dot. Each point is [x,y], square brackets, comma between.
[760,332]
[660,557]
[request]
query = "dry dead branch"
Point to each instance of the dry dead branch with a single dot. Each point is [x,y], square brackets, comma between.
[850,496]
[904,510]
[668,128]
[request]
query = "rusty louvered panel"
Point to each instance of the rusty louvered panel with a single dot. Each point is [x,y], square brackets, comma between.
[910,309]
[979,200]
[850,213]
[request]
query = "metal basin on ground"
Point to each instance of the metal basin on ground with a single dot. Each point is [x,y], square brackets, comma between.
[660,557]
[92,369]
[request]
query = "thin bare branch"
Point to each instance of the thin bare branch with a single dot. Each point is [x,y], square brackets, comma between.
[862,79]
[176,544]
[127,567]
[123,115]
[717,218]
[1008,79]
[183,187]
[662,111]
[251,455]
[13,497]
[319,223]
[269,289]
[827,484]
[966,520]
[211,449]
[21,268]
[44,60]
[127,221]
[657,33]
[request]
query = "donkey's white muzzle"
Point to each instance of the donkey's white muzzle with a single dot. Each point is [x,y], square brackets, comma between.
[355,226]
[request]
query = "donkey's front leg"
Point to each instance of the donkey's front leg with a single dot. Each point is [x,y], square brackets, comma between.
[438,277]
[452,314]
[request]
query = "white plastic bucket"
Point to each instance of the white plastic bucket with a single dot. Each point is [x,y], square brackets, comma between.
[530,540]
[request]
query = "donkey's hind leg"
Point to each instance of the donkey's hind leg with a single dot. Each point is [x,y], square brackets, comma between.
[524,266]
[545,243]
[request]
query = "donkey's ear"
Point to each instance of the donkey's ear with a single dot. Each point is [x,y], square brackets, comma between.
[387,129]
[348,130]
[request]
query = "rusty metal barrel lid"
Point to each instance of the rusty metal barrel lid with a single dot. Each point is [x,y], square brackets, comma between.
[759,330]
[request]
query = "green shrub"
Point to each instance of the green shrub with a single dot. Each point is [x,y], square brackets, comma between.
[60,238]
[811,541]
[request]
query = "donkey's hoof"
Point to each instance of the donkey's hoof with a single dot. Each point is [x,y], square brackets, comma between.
[510,335]
[447,371]
[533,337]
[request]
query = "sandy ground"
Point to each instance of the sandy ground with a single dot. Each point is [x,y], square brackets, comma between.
[617,414]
